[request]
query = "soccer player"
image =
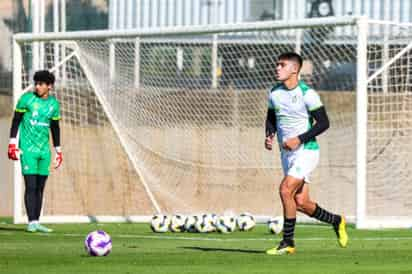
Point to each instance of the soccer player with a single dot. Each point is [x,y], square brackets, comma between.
[293,107]
[36,114]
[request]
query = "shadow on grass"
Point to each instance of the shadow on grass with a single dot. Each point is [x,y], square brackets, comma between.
[213,249]
[12,228]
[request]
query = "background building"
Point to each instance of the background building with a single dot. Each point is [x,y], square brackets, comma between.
[127,14]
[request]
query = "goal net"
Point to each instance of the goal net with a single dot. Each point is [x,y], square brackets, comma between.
[172,120]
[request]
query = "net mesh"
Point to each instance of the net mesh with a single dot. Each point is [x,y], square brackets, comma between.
[168,113]
[389,121]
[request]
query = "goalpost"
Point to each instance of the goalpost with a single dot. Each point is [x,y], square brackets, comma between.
[172,120]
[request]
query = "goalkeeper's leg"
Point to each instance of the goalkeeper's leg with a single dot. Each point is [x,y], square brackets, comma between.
[40,183]
[30,201]
[312,209]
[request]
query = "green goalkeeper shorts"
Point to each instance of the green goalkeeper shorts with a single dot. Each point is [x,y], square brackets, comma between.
[35,163]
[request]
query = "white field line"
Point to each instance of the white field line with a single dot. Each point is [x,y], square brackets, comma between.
[183,238]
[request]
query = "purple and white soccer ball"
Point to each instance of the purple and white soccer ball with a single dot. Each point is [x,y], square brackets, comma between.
[98,243]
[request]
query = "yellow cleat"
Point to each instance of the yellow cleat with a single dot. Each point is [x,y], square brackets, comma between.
[341,233]
[282,249]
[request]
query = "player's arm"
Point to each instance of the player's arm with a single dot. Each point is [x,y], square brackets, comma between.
[55,132]
[17,117]
[318,112]
[13,151]
[21,108]
[270,128]
[322,124]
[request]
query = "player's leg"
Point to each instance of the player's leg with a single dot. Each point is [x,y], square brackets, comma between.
[41,182]
[312,209]
[29,166]
[288,188]
[303,202]
[30,201]
[44,166]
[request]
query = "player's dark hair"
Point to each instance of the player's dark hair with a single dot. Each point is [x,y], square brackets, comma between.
[44,76]
[293,57]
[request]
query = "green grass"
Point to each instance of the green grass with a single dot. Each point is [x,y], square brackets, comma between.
[138,250]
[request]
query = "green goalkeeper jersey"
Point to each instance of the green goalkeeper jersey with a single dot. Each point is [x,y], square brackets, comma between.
[35,125]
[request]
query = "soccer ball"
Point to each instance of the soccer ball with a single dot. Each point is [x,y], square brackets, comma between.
[214,219]
[276,225]
[160,223]
[177,224]
[98,243]
[226,224]
[245,222]
[205,223]
[190,224]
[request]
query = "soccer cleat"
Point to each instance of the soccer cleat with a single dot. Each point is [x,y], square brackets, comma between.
[32,227]
[43,229]
[283,249]
[341,233]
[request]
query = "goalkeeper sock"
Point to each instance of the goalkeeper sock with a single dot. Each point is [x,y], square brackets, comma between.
[30,196]
[325,216]
[289,231]
[40,183]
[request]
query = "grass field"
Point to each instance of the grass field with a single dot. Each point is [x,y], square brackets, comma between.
[138,250]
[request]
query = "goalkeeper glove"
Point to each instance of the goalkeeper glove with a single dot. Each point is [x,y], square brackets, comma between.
[58,158]
[13,152]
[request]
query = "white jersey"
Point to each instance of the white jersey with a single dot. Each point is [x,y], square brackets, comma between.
[292,108]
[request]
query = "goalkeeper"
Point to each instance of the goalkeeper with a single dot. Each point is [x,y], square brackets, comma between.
[293,106]
[36,114]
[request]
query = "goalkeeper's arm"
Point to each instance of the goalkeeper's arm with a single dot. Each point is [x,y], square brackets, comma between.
[55,130]
[13,151]
[270,128]
[18,116]
[322,124]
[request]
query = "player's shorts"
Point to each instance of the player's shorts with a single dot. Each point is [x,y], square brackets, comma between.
[35,163]
[300,163]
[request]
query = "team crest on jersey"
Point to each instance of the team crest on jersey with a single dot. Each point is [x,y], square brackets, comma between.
[294,99]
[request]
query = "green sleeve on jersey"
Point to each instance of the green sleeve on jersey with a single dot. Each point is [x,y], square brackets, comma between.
[315,108]
[311,97]
[270,105]
[22,103]
[273,89]
[304,87]
[56,111]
